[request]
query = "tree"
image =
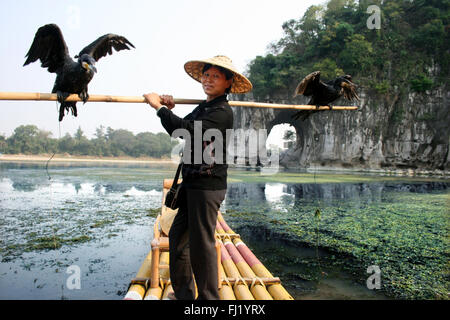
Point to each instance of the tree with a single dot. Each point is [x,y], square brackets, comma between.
[3,144]
[334,38]
[100,144]
[100,133]
[109,133]
[122,142]
[289,135]
[421,83]
[82,145]
[357,55]
[66,144]
[47,144]
[79,134]
[24,140]
[328,69]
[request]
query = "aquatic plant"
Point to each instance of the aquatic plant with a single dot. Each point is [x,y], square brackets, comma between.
[404,233]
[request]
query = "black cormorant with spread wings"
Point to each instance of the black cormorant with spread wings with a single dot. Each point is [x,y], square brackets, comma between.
[323,93]
[71,76]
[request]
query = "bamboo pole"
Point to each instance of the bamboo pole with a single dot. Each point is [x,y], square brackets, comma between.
[258,289]
[37,96]
[277,291]
[136,291]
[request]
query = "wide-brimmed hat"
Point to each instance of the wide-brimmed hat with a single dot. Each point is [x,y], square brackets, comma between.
[240,84]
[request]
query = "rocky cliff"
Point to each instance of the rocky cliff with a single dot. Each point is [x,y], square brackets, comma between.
[407,131]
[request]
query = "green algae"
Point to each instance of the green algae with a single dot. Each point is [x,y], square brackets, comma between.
[282,176]
[404,233]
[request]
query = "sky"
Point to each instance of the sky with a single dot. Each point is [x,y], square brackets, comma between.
[166,35]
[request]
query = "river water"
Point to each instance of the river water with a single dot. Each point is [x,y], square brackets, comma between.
[96,222]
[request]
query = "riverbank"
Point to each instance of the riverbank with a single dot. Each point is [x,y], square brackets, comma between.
[147,160]
[70,158]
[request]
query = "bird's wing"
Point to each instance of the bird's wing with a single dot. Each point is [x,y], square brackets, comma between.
[48,46]
[104,45]
[349,90]
[306,86]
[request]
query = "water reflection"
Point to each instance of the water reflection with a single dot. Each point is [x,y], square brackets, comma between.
[8,185]
[285,195]
[55,165]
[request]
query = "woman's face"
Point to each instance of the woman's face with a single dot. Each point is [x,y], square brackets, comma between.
[214,83]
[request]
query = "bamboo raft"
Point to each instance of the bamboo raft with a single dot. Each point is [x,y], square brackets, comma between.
[241,275]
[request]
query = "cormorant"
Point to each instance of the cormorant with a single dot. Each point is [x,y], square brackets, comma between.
[71,76]
[323,93]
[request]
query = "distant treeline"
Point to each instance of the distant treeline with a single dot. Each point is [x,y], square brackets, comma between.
[28,139]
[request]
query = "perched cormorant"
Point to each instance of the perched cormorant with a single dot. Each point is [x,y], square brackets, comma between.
[71,76]
[323,93]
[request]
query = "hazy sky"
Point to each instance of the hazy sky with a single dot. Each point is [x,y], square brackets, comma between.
[166,34]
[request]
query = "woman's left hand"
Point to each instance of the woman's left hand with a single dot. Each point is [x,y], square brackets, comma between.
[167,101]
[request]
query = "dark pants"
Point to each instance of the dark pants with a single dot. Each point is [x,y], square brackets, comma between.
[192,245]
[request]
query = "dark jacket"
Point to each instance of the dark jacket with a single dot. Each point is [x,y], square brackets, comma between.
[215,114]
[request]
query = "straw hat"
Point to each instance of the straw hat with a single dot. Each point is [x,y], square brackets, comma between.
[240,84]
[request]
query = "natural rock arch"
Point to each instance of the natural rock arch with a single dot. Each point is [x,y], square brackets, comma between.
[374,137]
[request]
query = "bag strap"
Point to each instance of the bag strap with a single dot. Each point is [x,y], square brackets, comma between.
[175,180]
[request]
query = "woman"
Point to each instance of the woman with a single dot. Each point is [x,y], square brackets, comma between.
[191,237]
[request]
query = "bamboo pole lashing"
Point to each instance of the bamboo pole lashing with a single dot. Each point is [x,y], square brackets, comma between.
[258,289]
[226,289]
[38,96]
[225,280]
[241,290]
[145,282]
[255,280]
[276,290]
[229,235]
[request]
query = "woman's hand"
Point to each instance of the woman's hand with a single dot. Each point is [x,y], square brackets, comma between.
[156,101]
[153,100]
[168,101]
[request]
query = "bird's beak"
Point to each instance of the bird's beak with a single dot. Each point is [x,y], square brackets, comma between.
[347,84]
[89,67]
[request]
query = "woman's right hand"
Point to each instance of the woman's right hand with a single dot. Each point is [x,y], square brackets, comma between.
[153,99]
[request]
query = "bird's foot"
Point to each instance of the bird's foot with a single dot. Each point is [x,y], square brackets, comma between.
[66,108]
[61,113]
[317,106]
[59,97]
[74,111]
[62,96]
[330,106]
[84,96]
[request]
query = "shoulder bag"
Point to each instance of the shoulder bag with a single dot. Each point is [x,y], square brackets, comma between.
[173,196]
